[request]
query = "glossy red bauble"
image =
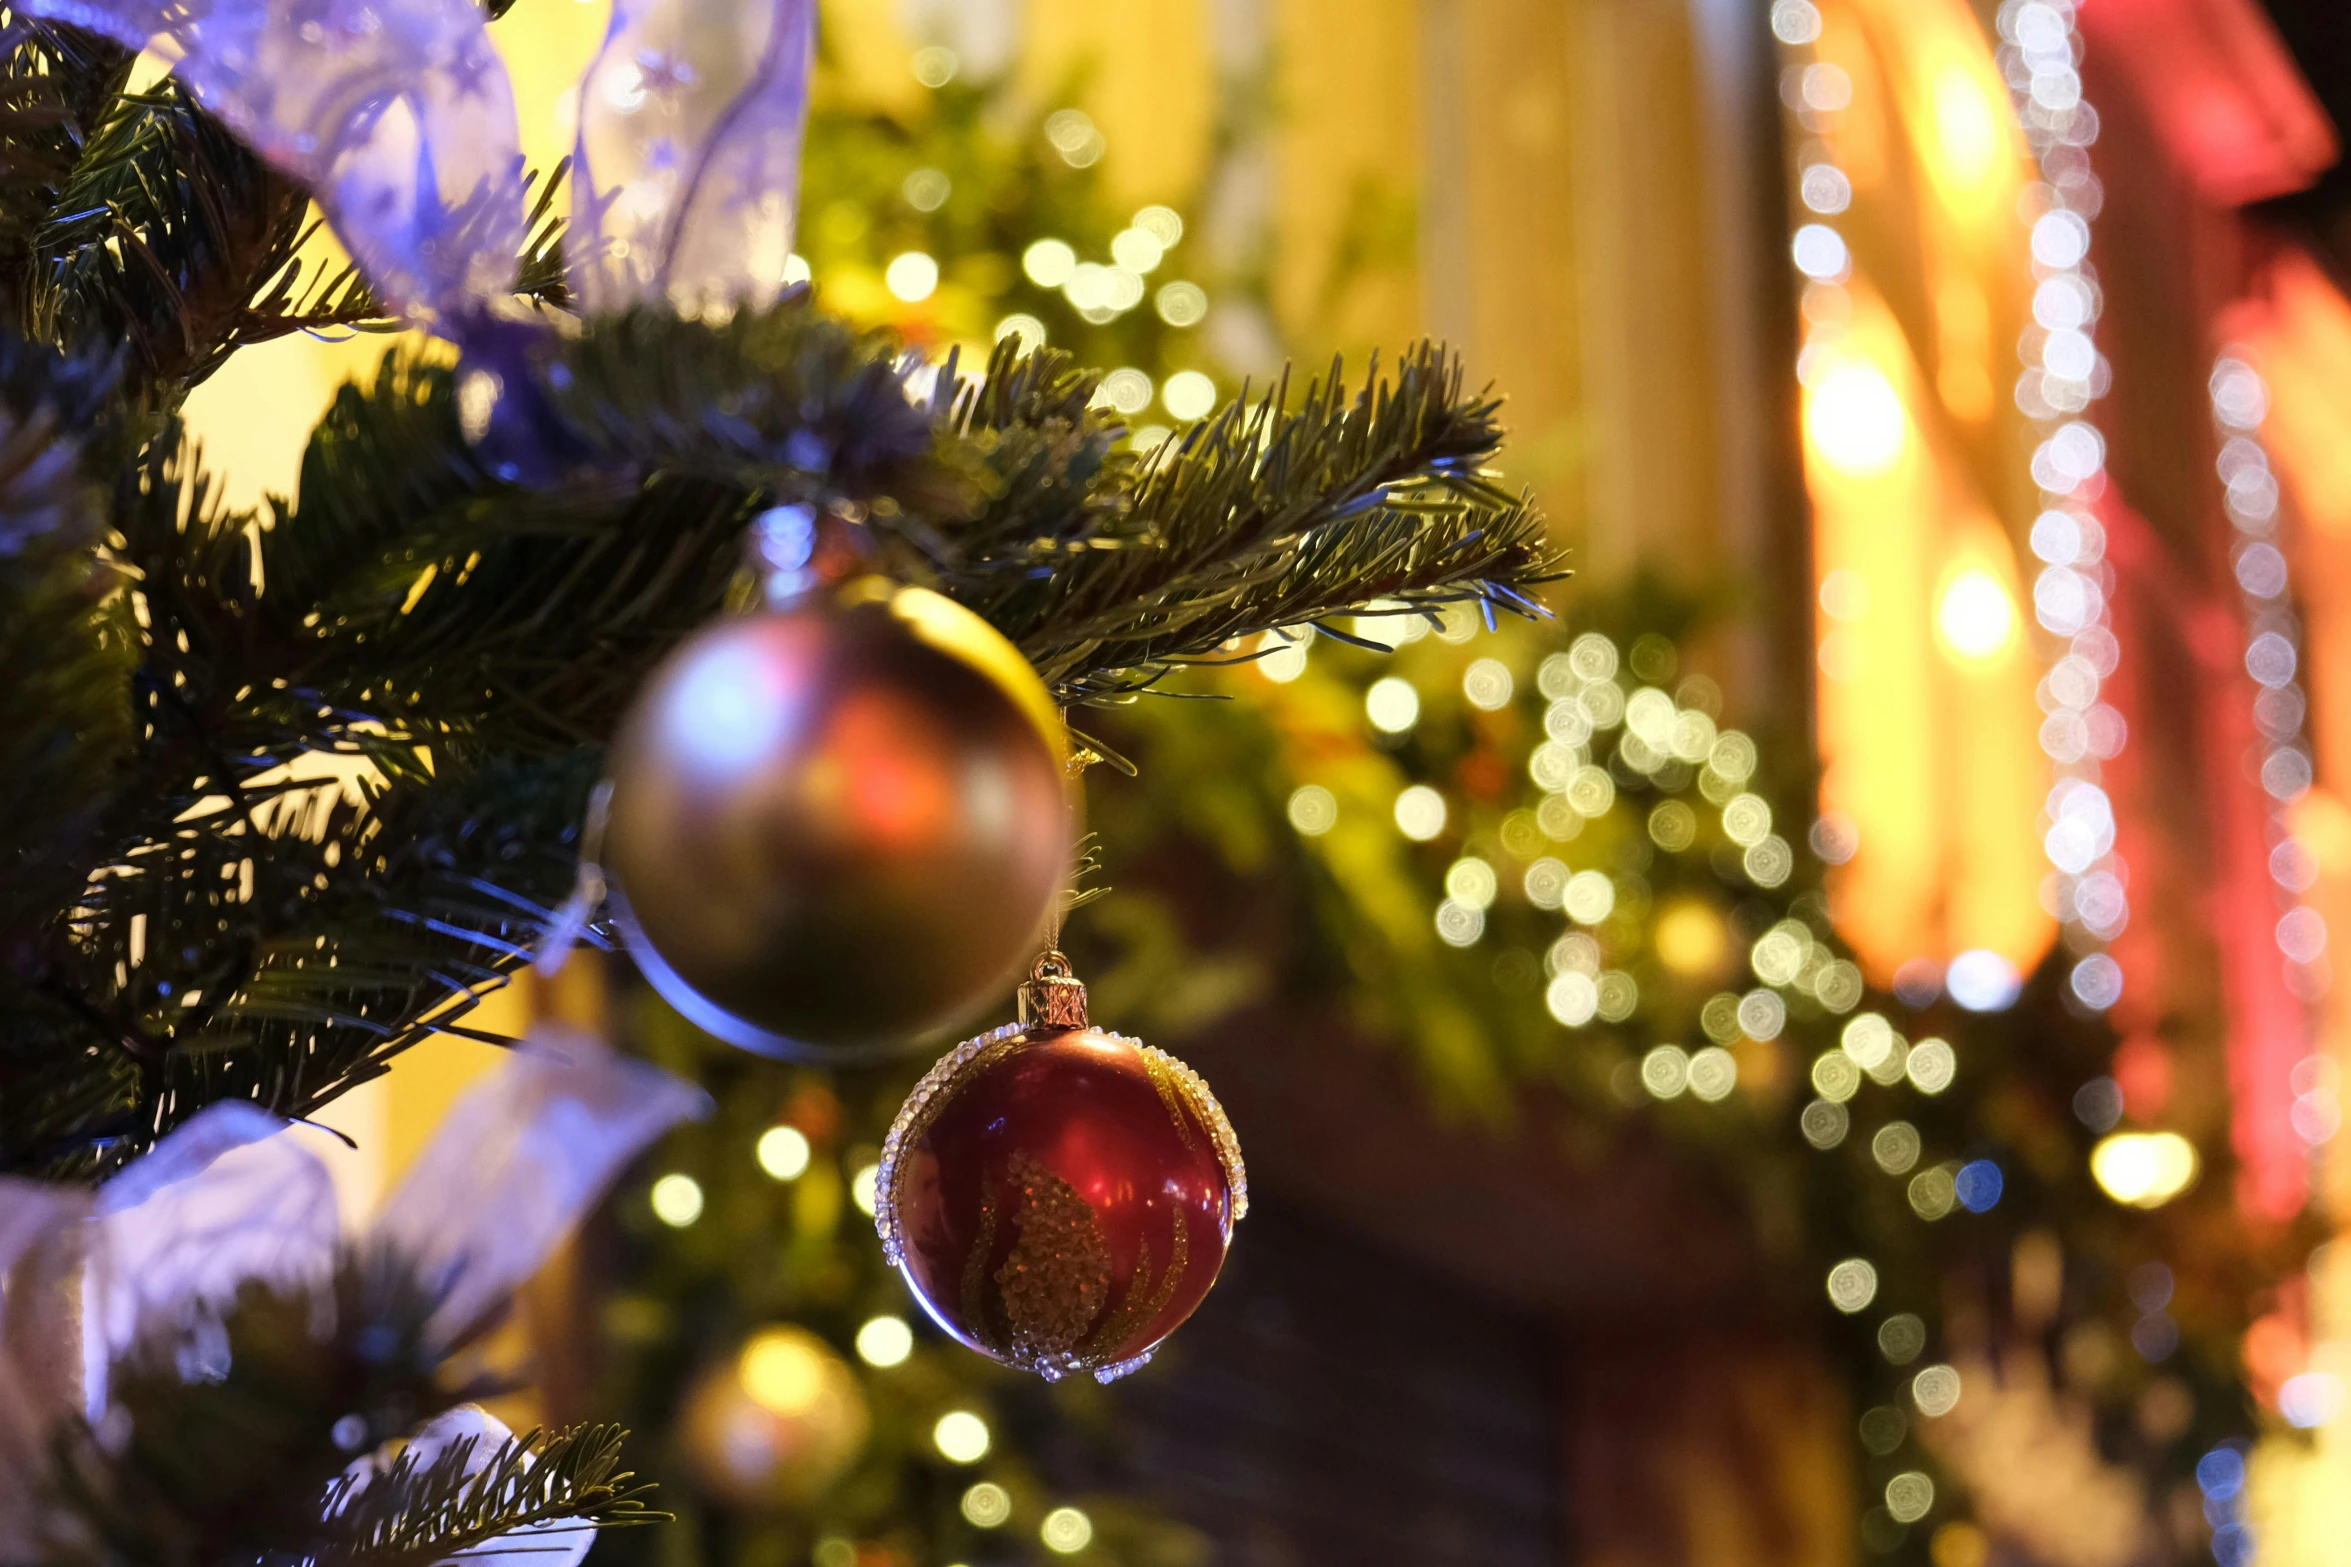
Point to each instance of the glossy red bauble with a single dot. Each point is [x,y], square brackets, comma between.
[1060,1198]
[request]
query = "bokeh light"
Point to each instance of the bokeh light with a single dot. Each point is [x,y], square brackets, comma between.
[783,1152]
[1975,616]
[885,1342]
[961,1437]
[677,1200]
[2144,1169]
[1855,421]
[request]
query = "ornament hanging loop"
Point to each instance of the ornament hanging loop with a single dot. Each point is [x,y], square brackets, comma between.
[1053,997]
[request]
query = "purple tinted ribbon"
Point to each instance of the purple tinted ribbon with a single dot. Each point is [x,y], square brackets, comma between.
[688,169]
[397,114]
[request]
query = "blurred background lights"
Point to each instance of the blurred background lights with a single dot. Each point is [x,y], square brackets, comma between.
[2144,1169]
[2312,1399]
[1164,224]
[1975,616]
[912,275]
[1487,684]
[1573,998]
[1024,326]
[1970,131]
[1978,1185]
[783,1369]
[1820,253]
[1665,1072]
[1049,262]
[987,1505]
[1065,1529]
[1460,924]
[1589,897]
[1282,654]
[861,1187]
[1420,813]
[1852,1285]
[1188,395]
[1136,250]
[926,190]
[1072,133]
[1713,1073]
[885,1342]
[1983,981]
[782,1152]
[677,1200]
[1935,1390]
[1126,389]
[1795,21]
[1472,881]
[1910,1496]
[1314,810]
[935,65]
[1855,421]
[961,1437]
[1181,304]
[1392,705]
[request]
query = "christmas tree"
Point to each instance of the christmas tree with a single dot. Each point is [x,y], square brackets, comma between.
[483,562]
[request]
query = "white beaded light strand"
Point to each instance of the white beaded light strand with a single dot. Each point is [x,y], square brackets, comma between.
[2273,657]
[2039,55]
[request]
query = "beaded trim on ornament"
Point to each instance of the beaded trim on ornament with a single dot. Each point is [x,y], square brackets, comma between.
[954,1063]
[934,1083]
[1228,1146]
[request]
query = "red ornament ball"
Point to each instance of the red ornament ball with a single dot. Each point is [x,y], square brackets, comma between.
[1060,1198]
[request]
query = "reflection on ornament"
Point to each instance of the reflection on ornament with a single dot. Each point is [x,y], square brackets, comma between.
[837,826]
[776,1425]
[1060,1198]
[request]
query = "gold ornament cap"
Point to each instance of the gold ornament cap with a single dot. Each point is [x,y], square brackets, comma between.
[1053,996]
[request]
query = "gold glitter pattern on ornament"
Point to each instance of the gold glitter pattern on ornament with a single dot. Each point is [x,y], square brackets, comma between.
[1171,1096]
[975,1271]
[1057,1277]
[1143,1303]
[1220,1130]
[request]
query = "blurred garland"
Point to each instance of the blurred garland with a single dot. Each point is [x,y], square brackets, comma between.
[1619,871]
[1608,909]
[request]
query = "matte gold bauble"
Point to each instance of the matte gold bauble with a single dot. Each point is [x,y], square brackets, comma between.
[777,1424]
[837,826]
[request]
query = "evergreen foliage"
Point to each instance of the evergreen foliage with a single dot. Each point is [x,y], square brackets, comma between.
[193,907]
[247,1459]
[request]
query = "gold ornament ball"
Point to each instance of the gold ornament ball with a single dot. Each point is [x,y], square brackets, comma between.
[776,1425]
[838,826]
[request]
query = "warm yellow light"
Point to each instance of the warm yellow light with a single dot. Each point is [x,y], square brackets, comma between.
[1855,420]
[2144,1169]
[783,1371]
[1690,940]
[1975,617]
[961,1437]
[885,1342]
[1967,127]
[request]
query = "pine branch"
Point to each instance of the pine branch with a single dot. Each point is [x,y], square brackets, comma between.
[228,927]
[158,238]
[1263,516]
[55,83]
[233,1462]
[415,1515]
[240,1423]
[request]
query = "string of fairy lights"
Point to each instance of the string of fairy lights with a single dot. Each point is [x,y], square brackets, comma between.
[2039,55]
[2273,658]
